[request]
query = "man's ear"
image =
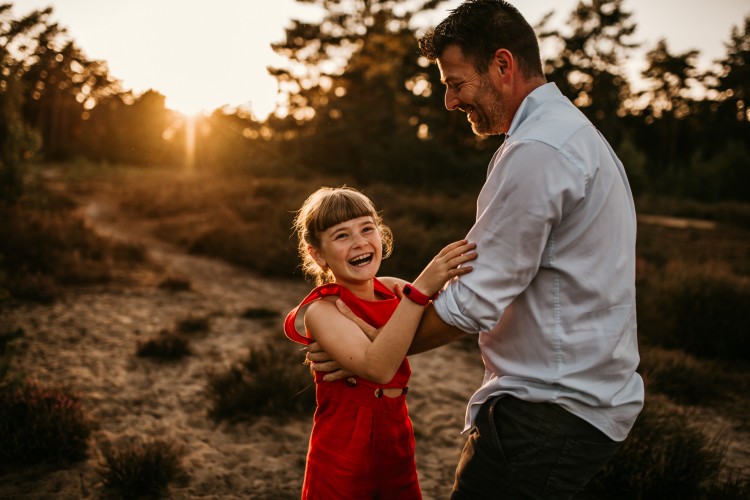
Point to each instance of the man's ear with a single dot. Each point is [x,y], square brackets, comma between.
[503,62]
[315,254]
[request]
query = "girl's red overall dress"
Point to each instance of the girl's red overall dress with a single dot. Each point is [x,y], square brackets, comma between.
[362,442]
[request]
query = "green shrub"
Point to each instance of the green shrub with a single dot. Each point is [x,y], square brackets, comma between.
[665,456]
[41,424]
[271,380]
[140,468]
[167,345]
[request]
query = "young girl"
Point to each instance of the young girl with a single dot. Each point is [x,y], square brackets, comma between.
[362,442]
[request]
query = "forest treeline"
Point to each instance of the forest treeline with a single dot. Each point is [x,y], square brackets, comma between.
[359,102]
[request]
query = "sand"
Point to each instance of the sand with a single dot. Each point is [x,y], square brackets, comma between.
[86,340]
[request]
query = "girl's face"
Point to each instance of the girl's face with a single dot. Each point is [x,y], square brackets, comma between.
[352,250]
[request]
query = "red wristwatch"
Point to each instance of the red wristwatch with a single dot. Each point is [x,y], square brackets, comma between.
[416,296]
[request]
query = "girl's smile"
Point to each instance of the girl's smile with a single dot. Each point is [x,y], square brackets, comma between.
[352,250]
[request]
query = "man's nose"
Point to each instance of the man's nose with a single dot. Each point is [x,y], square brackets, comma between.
[452,101]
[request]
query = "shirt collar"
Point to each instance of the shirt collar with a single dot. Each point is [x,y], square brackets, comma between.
[531,103]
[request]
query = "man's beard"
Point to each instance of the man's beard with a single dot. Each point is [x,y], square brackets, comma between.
[489,110]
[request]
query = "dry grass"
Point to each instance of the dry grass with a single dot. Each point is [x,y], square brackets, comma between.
[41,423]
[167,345]
[693,296]
[270,380]
[665,456]
[46,244]
[137,468]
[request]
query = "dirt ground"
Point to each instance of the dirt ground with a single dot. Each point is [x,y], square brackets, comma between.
[87,340]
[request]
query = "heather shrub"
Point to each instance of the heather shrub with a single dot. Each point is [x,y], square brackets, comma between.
[44,243]
[422,224]
[6,350]
[137,468]
[193,324]
[240,219]
[167,345]
[270,380]
[259,313]
[733,487]
[665,456]
[41,424]
[174,283]
[723,212]
[684,378]
[702,310]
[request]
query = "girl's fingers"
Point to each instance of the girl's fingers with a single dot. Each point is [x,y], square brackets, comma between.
[453,247]
[457,251]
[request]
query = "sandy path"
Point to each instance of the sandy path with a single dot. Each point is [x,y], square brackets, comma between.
[87,340]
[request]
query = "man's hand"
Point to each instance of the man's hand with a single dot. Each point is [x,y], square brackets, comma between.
[322,362]
[363,325]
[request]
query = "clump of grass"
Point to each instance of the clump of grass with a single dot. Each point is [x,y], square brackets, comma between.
[259,313]
[41,424]
[167,345]
[175,284]
[271,380]
[193,324]
[685,379]
[665,456]
[140,468]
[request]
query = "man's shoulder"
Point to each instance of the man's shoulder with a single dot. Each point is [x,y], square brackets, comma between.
[546,116]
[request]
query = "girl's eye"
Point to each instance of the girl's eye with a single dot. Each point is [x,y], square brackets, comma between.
[368,229]
[340,236]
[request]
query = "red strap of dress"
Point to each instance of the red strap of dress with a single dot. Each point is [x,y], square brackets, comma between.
[322,291]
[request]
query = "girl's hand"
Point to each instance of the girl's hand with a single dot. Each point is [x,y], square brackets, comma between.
[445,266]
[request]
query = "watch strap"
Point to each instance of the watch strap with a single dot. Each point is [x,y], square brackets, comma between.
[416,296]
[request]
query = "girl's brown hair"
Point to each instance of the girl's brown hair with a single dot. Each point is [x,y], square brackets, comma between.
[325,208]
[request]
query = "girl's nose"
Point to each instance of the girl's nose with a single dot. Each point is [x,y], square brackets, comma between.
[360,239]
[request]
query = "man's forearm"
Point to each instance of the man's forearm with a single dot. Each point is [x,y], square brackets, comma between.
[433,332]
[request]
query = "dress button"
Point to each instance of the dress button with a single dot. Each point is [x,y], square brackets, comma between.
[351,382]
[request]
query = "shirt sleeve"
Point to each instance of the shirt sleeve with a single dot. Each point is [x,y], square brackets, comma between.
[530,188]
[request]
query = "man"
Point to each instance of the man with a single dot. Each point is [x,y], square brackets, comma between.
[552,294]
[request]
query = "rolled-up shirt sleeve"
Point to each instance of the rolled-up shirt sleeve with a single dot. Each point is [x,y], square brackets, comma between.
[529,189]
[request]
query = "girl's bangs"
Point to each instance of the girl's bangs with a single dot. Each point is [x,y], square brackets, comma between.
[340,208]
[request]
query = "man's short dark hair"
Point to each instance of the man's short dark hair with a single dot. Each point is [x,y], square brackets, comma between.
[479,28]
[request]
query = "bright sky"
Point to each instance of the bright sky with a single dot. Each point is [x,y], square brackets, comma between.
[203,55]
